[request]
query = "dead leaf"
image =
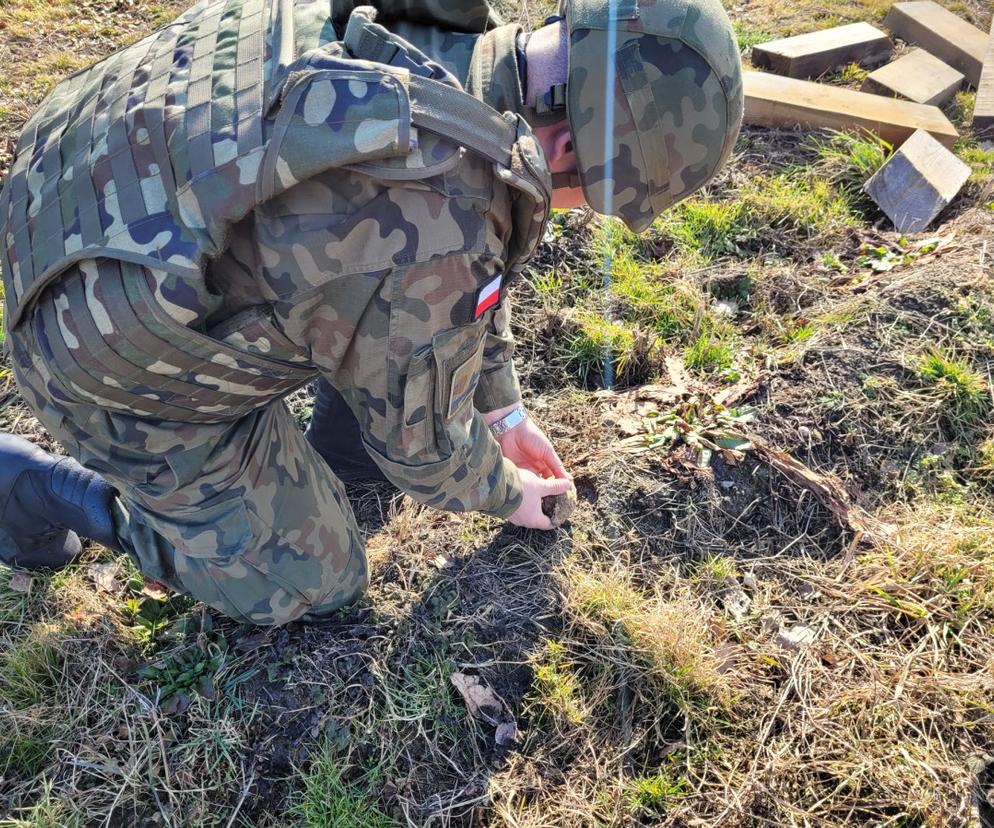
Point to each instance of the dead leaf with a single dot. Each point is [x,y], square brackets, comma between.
[743,389]
[481,701]
[796,637]
[105,577]
[828,489]
[153,589]
[21,582]
[726,656]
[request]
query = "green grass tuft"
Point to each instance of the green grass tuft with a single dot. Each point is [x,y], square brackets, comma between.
[654,793]
[31,668]
[331,802]
[780,213]
[597,339]
[555,687]
[849,160]
[747,37]
[708,355]
[964,390]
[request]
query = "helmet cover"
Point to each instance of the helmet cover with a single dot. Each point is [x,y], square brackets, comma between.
[654,101]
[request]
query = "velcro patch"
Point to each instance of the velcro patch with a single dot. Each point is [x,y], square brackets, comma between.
[488,296]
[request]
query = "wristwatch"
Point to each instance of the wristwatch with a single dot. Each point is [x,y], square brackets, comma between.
[509,421]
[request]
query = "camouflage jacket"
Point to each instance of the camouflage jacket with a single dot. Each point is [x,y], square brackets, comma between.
[334,232]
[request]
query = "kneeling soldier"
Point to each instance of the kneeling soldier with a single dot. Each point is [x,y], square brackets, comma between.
[265,194]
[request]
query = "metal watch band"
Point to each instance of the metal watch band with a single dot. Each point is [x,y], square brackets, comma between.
[509,421]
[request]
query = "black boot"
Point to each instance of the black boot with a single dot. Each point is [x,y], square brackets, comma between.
[46,502]
[335,434]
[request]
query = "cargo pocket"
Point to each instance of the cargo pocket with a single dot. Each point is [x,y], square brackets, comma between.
[459,359]
[438,392]
[219,530]
[254,331]
[417,433]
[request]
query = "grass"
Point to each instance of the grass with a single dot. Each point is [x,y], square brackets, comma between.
[769,213]
[640,695]
[330,802]
[555,686]
[965,393]
[849,160]
[748,37]
[654,793]
[667,635]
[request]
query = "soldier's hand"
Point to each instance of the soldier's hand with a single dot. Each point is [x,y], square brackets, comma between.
[530,514]
[527,447]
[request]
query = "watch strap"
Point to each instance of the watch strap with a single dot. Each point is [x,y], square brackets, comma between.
[509,421]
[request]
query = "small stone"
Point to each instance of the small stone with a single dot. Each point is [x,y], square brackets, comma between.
[749,580]
[21,582]
[734,599]
[507,734]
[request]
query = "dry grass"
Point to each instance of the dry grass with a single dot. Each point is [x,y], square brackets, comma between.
[703,644]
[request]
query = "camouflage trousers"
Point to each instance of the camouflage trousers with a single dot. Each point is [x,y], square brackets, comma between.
[241,514]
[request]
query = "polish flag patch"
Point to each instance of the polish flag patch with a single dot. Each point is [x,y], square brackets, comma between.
[488,296]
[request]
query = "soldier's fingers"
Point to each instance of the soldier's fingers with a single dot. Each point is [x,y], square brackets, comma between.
[555,486]
[555,464]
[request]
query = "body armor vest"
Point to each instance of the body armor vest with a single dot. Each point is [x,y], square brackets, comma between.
[153,154]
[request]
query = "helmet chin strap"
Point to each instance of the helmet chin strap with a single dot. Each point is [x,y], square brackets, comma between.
[550,107]
[566,180]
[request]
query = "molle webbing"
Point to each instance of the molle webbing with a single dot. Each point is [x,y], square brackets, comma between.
[152,155]
[126,159]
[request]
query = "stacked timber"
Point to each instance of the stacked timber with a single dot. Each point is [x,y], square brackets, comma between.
[899,101]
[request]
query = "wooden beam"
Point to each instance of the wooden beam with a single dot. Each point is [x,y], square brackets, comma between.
[942,33]
[917,183]
[773,101]
[983,114]
[917,76]
[813,54]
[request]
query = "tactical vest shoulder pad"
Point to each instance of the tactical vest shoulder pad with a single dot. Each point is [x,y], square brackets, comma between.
[153,154]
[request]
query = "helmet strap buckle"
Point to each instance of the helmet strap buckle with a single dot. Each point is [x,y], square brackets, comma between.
[552,101]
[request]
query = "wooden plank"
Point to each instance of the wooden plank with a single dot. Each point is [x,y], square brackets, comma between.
[917,183]
[813,54]
[983,114]
[942,33]
[774,101]
[916,76]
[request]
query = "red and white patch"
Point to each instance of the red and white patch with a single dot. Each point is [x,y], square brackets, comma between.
[488,296]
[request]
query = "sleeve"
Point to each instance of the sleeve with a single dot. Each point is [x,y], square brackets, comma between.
[499,385]
[382,295]
[411,376]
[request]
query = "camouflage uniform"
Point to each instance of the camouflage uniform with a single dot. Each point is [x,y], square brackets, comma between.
[213,217]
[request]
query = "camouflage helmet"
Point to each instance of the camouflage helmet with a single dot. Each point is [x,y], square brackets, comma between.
[654,101]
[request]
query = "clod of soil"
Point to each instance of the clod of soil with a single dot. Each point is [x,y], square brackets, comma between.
[559,507]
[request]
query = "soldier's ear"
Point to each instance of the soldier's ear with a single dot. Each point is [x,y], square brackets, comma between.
[559,149]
